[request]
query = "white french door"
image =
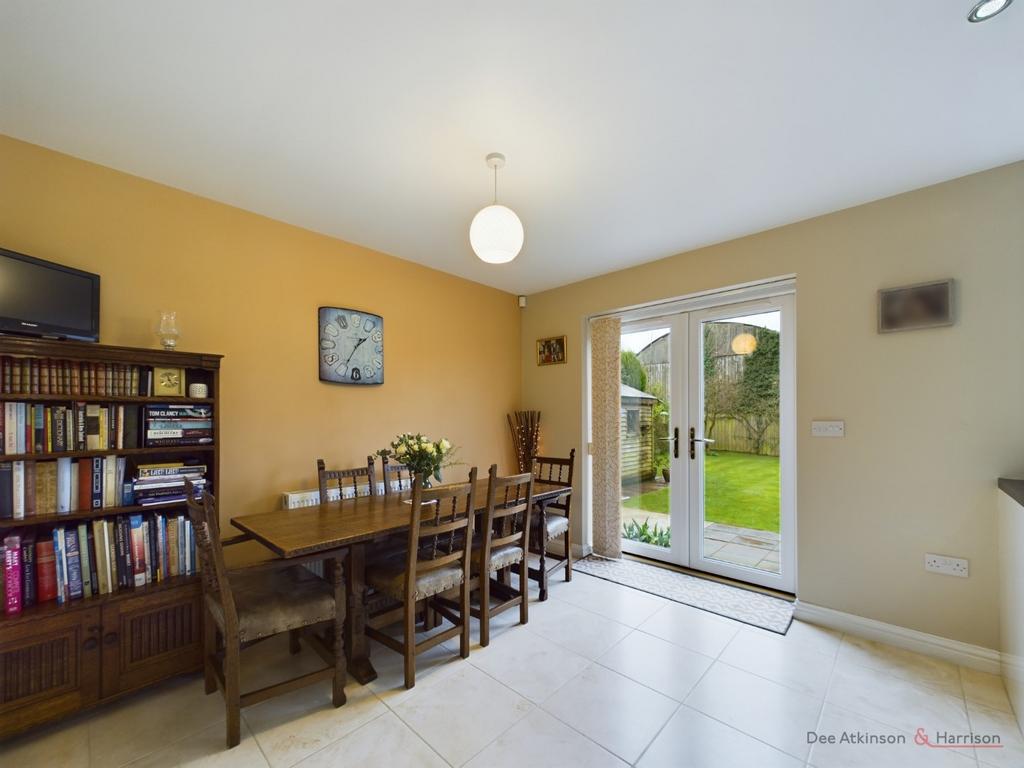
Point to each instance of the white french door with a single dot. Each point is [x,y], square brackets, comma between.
[707,439]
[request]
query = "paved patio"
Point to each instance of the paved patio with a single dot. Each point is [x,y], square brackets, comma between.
[729,543]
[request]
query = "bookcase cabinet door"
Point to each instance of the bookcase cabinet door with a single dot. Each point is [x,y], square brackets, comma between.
[151,637]
[48,668]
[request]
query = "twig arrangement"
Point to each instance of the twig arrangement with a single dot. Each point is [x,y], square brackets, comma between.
[525,426]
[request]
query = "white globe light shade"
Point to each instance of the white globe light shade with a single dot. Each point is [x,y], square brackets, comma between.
[496,234]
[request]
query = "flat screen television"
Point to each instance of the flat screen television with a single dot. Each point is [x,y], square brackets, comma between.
[40,298]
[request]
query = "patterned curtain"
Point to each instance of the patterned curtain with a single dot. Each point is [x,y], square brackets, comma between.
[605,397]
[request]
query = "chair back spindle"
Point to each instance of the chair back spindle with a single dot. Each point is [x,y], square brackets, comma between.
[346,478]
[400,474]
[440,529]
[509,505]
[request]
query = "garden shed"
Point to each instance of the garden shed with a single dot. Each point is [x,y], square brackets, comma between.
[636,436]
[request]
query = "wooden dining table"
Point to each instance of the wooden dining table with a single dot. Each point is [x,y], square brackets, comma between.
[348,526]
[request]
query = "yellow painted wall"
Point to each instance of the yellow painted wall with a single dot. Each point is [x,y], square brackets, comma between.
[932,417]
[248,287]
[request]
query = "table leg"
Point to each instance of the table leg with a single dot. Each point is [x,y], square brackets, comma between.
[359,665]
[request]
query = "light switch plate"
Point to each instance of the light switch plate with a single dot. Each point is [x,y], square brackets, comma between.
[828,428]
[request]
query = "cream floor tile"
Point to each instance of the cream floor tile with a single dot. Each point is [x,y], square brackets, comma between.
[790,664]
[987,722]
[431,666]
[897,748]
[139,725]
[658,664]
[461,714]
[692,628]
[206,749]
[694,740]
[529,664]
[577,629]
[900,662]
[613,601]
[270,662]
[291,727]
[770,712]
[985,689]
[820,639]
[384,741]
[894,701]
[540,740]
[64,744]
[618,713]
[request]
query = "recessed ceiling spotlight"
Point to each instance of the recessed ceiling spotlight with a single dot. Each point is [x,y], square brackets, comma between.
[986,9]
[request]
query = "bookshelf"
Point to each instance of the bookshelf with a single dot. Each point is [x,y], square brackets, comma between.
[58,659]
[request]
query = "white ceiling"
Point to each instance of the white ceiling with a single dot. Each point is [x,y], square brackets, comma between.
[633,130]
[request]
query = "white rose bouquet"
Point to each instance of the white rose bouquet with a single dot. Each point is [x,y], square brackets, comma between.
[420,454]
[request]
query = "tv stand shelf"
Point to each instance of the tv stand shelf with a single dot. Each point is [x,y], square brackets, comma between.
[92,650]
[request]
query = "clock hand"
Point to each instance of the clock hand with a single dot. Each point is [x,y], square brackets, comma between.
[355,348]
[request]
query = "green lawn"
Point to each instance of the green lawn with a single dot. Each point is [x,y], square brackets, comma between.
[741,489]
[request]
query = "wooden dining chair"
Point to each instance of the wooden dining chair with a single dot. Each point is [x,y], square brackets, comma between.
[346,478]
[269,598]
[400,473]
[503,543]
[553,519]
[437,559]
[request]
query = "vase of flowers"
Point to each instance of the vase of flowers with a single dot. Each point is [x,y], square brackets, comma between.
[421,455]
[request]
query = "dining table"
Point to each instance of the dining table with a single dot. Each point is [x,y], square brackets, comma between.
[348,526]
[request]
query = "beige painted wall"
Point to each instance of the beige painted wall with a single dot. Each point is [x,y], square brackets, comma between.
[932,417]
[248,287]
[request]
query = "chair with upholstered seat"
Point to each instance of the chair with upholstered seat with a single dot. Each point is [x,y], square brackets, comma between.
[553,520]
[399,474]
[503,544]
[436,560]
[249,605]
[345,479]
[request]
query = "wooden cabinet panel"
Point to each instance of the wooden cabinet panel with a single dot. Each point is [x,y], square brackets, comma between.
[150,638]
[48,668]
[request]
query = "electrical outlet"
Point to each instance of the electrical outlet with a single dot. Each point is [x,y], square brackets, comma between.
[950,566]
[828,428]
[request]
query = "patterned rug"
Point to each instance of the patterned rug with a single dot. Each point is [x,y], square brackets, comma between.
[765,611]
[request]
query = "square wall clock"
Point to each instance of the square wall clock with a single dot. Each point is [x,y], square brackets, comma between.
[351,346]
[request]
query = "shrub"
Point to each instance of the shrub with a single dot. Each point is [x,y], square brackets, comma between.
[646,533]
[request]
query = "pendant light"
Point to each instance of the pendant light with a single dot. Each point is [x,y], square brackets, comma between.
[496,233]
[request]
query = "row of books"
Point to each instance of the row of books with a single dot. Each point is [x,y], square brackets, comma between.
[178,424]
[39,428]
[37,376]
[63,486]
[94,558]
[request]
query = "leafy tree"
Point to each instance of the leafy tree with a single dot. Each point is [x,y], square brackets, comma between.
[757,397]
[633,373]
[720,392]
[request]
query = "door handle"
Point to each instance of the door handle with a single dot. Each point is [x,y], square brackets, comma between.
[90,644]
[110,638]
[694,440]
[674,440]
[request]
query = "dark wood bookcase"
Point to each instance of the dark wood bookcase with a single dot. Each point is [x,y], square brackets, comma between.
[58,659]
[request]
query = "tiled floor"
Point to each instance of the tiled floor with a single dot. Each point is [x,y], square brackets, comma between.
[601,676]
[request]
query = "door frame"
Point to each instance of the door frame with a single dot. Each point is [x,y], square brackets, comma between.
[743,292]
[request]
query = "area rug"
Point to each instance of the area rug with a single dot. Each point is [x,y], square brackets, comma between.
[755,608]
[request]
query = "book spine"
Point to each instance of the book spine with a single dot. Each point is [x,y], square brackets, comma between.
[74,563]
[83,555]
[60,565]
[18,490]
[63,486]
[172,441]
[6,490]
[138,549]
[12,574]
[28,571]
[46,571]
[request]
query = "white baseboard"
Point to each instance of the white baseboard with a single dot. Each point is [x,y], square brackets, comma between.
[579,551]
[965,654]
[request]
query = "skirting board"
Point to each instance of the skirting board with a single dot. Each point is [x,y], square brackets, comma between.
[965,654]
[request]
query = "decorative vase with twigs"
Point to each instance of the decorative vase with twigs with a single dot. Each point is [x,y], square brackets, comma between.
[525,426]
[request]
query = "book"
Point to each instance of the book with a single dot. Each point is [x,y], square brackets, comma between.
[12,573]
[83,553]
[172,546]
[94,576]
[131,426]
[28,569]
[164,442]
[92,427]
[147,546]
[179,411]
[63,486]
[109,481]
[96,495]
[30,489]
[10,428]
[75,486]
[98,555]
[84,484]
[6,490]
[60,565]
[73,558]
[46,571]
[46,487]
[122,537]
[110,536]
[18,490]
[138,550]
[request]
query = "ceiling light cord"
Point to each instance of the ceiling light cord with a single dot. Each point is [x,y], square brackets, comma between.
[495,184]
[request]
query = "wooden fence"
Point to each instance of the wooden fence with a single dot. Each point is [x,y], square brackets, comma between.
[731,435]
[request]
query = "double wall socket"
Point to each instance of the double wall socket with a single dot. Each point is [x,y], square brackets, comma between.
[950,566]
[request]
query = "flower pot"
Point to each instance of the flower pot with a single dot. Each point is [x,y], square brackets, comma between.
[664,474]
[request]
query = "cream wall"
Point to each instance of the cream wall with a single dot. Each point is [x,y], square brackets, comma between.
[932,417]
[248,287]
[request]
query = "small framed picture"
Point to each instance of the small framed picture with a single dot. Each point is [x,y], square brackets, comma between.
[168,382]
[551,351]
[911,307]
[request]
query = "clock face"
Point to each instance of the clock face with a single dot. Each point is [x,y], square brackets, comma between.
[351,346]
